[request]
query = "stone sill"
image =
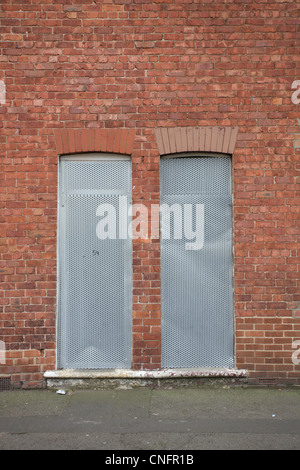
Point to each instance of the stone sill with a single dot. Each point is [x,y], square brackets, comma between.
[145,374]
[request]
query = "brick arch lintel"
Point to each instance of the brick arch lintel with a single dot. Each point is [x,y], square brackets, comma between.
[196,139]
[70,141]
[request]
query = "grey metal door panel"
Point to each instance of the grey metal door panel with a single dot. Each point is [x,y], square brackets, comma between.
[94,327]
[197,299]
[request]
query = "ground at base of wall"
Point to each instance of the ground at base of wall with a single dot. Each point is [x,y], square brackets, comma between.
[158,379]
[163,384]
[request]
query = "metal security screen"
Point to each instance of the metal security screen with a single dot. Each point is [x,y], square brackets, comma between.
[94,321]
[196,270]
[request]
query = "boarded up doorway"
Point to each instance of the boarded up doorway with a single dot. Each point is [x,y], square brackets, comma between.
[196,262]
[94,317]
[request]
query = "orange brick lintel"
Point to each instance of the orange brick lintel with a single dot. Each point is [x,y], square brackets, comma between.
[69,141]
[196,139]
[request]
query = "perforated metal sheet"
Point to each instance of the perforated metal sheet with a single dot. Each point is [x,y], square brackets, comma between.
[197,297]
[95,275]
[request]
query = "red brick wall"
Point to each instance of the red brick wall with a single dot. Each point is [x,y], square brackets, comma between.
[143,65]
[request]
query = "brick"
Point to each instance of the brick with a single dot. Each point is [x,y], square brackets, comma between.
[110,140]
[71,136]
[12,37]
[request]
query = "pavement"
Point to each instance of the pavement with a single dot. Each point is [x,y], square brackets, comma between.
[142,419]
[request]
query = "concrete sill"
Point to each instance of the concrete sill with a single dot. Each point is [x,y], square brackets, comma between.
[127,378]
[144,374]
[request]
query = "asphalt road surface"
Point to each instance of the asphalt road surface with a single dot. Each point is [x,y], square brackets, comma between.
[145,420]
